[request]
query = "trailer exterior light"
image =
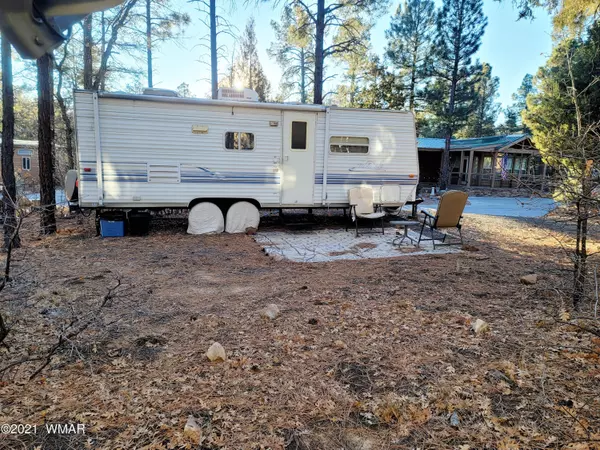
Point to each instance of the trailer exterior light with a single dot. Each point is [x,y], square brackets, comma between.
[87,169]
[411,175]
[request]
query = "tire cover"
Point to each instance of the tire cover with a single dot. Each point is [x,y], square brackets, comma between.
[205,218]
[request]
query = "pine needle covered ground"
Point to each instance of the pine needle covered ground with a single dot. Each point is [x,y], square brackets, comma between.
[371,354]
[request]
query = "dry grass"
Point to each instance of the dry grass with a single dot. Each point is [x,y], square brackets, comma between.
[370,354]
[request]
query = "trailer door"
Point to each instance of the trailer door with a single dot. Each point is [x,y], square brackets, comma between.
[298,158]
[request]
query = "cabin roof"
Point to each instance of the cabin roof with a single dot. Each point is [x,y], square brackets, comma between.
[482,143]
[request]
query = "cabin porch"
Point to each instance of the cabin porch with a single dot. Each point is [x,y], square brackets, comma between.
[506,162]
[507,169]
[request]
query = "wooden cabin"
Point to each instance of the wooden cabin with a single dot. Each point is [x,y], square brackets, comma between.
[509,161]
[25,160]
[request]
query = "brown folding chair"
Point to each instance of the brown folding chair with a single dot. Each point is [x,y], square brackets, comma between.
[448,215]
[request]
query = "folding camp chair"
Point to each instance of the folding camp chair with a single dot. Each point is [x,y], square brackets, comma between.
[390,199]
[362,206]
[448,215]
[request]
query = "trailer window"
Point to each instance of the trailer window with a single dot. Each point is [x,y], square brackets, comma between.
[237,140]
[348,144]
[299,135]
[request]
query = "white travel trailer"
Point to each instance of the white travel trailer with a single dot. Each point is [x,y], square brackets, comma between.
[156,151]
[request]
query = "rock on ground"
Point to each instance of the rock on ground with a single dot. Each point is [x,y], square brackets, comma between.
[271,312]
[481,326]
[340,344]
[216,352]
[529,279]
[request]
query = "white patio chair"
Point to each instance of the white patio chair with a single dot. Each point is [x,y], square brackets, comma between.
[362,206]
[390,196]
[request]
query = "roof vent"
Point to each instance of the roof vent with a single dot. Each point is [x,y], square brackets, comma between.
[240,95]
[160,92]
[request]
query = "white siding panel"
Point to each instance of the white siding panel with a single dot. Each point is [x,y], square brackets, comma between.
[151,158]
[319,156]
[86,148]
[392,156]
[139,137]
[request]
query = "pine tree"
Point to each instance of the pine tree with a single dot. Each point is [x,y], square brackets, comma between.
[293,51]
[511,122]
[410,40]
[574,64]
[460,27]
[380,89]
[9,191]
[183,90]
[88,61]
[526,88]
[343,17]
[248,71]
[573,15]
[482,120]
[157,21]
[45,145]
[356,78]
[516,111]
[214,19]
[565,120]
[359,66]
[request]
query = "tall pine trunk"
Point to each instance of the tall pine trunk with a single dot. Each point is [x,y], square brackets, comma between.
[319,53]
[64,113]
[445,171]
[69,131]
[413,80]
[45,144]
[302,76]
[9,192]
[102,45]
[581,255]
[149,42]
[88,61]
[214,72]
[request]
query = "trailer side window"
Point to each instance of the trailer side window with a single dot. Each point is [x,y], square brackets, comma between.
[235,140]
[348,144]
[299,135]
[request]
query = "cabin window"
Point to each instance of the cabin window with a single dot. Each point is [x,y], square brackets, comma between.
[517,164]
[348,144]
[299,135]
[26,163]
[237,140]
[487,162]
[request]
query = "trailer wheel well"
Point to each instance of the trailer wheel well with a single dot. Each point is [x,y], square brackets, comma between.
[223,203]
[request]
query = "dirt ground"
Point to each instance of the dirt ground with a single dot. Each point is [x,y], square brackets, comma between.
[366,355]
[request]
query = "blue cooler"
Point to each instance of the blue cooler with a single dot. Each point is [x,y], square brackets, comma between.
[112,228]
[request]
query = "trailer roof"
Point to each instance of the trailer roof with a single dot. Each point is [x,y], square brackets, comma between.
[229,103]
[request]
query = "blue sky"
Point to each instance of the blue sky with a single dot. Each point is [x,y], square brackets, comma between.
[513,48]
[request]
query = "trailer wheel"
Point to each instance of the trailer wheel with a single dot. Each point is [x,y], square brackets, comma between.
[241,216]
[205,218]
